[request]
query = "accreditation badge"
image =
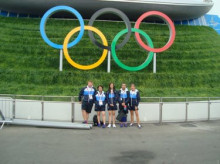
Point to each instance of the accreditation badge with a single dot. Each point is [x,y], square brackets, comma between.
[100,102]
[90,97]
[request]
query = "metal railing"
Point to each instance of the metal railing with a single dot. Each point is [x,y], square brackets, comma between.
[74,99]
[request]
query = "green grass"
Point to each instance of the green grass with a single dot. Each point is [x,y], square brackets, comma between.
[191,67]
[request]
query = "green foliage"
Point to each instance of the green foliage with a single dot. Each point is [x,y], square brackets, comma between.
[191,67]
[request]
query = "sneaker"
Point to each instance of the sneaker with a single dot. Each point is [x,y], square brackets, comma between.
[103,126]
[114,126]
[85,122]
[126,125]
[131,124]
[139,126]
[99,125]
[121,125]
[109,125]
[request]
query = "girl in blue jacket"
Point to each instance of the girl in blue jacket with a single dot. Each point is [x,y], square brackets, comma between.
[100,102]
[133,105]
[123,99]
[112,99]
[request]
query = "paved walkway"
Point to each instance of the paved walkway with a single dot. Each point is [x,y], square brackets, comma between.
[176,143]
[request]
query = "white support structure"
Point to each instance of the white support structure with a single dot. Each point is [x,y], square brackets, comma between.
[61,60]
[109,62]
[155,63]
[51,124]
[3,121]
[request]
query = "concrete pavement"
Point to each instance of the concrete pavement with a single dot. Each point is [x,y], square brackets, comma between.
[171,143]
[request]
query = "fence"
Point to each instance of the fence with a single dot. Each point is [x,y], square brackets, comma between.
[151,109]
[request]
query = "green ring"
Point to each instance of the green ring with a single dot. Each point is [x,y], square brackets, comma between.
[129,68]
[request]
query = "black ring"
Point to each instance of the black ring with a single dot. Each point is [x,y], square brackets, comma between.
[118,13]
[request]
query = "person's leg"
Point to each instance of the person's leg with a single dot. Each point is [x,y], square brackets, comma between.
[121,124]
[113,117]
[84,114]
[110,117]
[98,116]
[121,108]
[132,117]
[103,118]
[137,117]
[125,122]
[84,106]
[87,116]
[88,110]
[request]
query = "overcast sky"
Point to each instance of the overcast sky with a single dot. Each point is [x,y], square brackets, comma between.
[216,9]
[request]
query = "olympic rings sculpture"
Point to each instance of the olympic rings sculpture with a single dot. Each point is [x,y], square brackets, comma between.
[104,45]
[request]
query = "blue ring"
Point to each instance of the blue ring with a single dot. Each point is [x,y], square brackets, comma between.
[54,10]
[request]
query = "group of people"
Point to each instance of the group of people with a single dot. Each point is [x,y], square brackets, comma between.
[127,100]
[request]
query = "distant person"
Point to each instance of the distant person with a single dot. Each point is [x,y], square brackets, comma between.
[86,97]
[133,105]
[123,99]
[100,102]
[112,99]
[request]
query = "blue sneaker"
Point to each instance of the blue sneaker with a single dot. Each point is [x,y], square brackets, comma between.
[126,125]
[99,125]
[103,126]
[121,125]
[85,122]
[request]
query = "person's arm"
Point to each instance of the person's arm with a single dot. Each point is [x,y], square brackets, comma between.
[94,97]
[106,97]
[119,99]
[116,97]
[81,94]
[95,100]
[128,98]
[138,98]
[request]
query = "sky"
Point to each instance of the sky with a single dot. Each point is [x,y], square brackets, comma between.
[216,8]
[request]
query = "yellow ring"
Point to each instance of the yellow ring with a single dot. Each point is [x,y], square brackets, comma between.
[85,67]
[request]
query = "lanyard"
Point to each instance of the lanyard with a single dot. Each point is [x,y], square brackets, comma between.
[132,93]
[89,90]
[123,93]
[100,96]
[89,93]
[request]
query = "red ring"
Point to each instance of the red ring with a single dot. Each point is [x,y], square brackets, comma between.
[167,20]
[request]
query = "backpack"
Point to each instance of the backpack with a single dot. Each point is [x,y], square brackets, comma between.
[95,121]
[121,114]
